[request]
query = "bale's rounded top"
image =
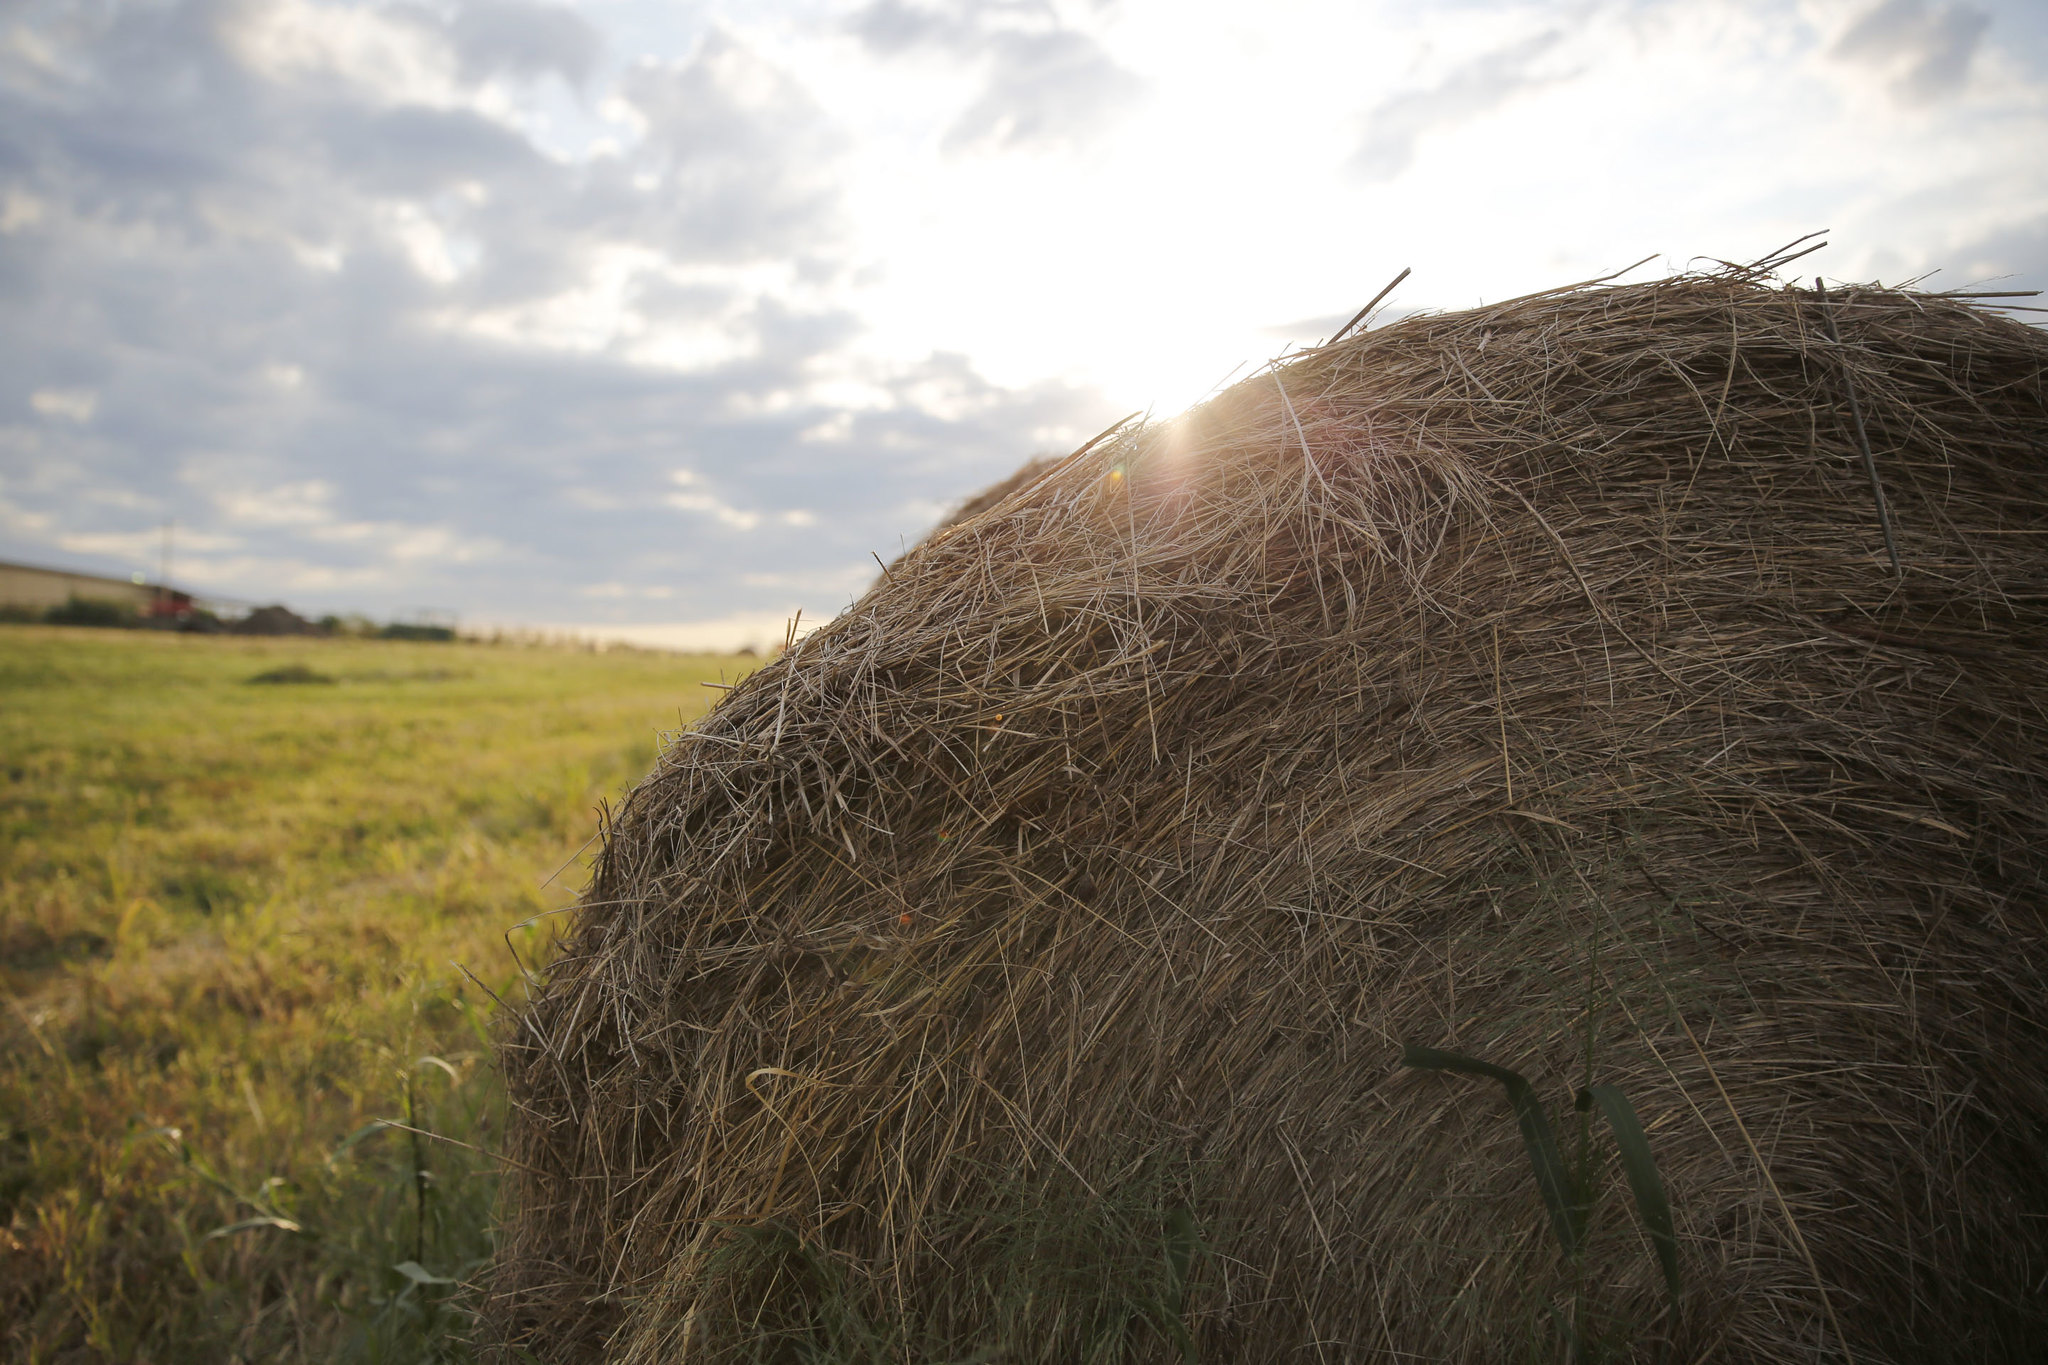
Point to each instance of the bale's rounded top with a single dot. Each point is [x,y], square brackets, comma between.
[1532,682]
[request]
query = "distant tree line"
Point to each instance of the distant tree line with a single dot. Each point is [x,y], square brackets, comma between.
[276,619]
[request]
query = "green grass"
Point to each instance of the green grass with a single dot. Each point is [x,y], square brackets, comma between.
[228,917]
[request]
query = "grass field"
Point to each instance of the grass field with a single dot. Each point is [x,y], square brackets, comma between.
[230,913]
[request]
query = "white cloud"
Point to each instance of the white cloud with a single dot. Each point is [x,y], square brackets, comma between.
[19,521]
[524,39]
[365,49]
[711,506]
[697,497]
[461,285]
[308,502]
[144,546]
[437,253]
[19,210]
[1924,50]
[757,630]
[73,405]
[837,427]
[1472,89]
[267,578]
[406,543]
[1047,84]
[816,585]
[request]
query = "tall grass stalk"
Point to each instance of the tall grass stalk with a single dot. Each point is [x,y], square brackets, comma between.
[1570,1194]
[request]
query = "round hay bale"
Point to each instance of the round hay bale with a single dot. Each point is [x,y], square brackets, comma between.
[1019,968]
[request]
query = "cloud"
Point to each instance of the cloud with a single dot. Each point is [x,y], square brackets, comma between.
[1394,129]
[2010,257]
[415,151]
[1925,50]
[74,405]
[757,630]
[735,152]
[1045,85]
[307,502]
[524,39]
[289,276]
[891,28]
[693,497]
[1050,89]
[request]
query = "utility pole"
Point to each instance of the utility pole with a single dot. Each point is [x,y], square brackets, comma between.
[163,578]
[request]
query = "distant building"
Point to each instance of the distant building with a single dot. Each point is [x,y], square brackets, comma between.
[28,587]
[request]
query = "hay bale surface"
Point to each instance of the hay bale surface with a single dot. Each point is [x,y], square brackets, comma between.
[1530,681]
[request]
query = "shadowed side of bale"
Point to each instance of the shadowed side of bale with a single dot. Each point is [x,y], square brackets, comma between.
[1529,681]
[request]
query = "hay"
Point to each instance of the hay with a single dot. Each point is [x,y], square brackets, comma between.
[1529,681]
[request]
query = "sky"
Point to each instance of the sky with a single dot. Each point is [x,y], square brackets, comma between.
[661,321]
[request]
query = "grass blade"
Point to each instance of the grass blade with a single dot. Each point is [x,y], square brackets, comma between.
[1652,1205]
[261,1221]
[1553,1182]
[342,1148]
[1183,1239]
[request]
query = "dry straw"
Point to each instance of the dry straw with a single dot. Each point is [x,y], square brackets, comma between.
[1019,967]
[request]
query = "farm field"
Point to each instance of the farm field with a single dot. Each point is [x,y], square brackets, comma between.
[230,917]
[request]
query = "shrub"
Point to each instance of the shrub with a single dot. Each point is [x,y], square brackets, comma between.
[90,611]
